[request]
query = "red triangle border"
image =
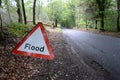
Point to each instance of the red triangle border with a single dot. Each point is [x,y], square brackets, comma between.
[48,57]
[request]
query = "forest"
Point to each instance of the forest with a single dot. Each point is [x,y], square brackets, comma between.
[17,17]
[77,40]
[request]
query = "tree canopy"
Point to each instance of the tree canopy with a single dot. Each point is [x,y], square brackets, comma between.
[98,14]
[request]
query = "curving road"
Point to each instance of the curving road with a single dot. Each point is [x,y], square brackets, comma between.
[103,49]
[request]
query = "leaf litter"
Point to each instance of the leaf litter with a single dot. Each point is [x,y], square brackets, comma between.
[17,67]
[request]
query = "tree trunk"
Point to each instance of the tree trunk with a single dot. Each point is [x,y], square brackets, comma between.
[86,23]
[56,23]
[1,17]
[19,11]
[1,26]
[34,5]
[102,14]
[118,18]
[24,13]
[101,6]
[95,24]
[0,3]
[1,23]
[102,22]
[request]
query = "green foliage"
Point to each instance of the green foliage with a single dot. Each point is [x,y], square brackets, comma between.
[18,29]
[110,20]
[67,16]
[68,13]
[81,23]
[63,12]
[55,9]
[28,8]
[89,10]
[91,24]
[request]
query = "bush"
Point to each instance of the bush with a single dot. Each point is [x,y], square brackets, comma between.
[18,29]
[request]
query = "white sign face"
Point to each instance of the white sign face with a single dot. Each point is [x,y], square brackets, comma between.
[35,44]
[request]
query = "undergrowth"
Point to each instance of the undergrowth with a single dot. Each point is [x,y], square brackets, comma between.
[18,29]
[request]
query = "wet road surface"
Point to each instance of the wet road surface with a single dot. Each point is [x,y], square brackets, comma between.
[103,49]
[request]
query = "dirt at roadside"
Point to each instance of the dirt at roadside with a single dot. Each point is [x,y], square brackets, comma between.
[65,65]
[108,33]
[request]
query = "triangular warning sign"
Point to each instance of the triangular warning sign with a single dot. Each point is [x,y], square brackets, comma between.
[35,44]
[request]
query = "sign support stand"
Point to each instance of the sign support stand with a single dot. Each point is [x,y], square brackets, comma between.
[50,69]
[36,44]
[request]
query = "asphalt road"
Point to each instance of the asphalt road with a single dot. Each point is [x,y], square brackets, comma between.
[103,49]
